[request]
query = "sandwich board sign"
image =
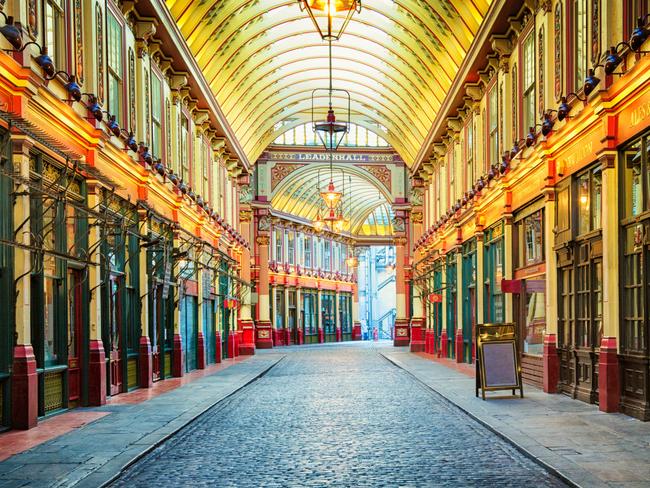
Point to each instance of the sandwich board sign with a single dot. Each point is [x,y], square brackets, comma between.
[497,359]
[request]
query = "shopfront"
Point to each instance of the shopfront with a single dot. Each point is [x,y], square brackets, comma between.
[579,249]
[451,276]
[292,316]
[345,316]
[494,306]
[469,299]
[161,300]
[309,317]
[328,317]
[530,302]
[279,316]
[634,351]
[436,320]
[120,294]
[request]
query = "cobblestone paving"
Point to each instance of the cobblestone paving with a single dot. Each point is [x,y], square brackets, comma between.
[335,416]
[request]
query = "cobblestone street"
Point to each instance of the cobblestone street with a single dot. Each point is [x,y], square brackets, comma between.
[335,415]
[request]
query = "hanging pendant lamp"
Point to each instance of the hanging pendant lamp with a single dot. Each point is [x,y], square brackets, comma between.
[330,17]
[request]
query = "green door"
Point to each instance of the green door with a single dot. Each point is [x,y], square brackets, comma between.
[189,328]
[469,298]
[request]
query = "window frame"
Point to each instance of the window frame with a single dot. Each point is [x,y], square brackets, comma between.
[121,112]
[527,92]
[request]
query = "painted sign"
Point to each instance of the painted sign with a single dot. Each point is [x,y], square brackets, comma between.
[336,157]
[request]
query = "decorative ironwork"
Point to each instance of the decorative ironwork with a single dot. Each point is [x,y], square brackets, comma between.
[147,110]
[53,391]
[281,171]
[540,71]
[381,172]
[595,31]
[557,25]
[32,18]
[514,95]
[100,52]
[79,42]
[132,108]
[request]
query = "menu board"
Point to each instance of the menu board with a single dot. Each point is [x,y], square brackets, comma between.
[497,359]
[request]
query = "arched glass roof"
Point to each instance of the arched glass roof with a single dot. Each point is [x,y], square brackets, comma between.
[304,135]
[263,59]
[364,205]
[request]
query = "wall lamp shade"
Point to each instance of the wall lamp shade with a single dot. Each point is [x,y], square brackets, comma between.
[612,61]
[146,155]
[330,17]
[591,82]
[95,109]
[515,150]
[563,110]
[131,143]
[12,32]
[531,137]
[331,197]
[45,62]
[639,34]
[114,127]
[547,125]
[73,88]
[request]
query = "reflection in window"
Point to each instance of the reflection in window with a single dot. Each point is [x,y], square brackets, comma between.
[633,183]
[535,323]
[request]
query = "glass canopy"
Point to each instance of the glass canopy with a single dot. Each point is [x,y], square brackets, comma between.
[263,59]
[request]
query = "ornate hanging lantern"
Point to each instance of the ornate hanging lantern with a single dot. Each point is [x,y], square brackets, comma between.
[330,17]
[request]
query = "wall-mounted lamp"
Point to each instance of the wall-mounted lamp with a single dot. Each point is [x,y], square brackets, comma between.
[113,126]
[94,108]
[12,32]
[547,124]
[640,33]
[591,82]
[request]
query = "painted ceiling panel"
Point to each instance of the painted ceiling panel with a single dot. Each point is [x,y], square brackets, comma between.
[263,58]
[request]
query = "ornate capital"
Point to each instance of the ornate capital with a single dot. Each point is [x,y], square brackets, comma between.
[262,240]
[245,215]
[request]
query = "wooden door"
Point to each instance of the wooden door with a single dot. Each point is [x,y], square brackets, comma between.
[157,332]
[74,337]
[115,322]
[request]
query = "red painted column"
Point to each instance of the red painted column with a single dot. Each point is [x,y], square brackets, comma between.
[609,383]
[24,388]
[401,336]
[218,351]
[442,352]
[551,364]
[200,351]
[145,363]
[321,335]
[460,346]
[339,334]
[177,357]
[232,345]
[96,374]
[417,335]
[287,336]
[263,330]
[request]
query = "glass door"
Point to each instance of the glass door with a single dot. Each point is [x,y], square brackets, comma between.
[74,337]
[115,332]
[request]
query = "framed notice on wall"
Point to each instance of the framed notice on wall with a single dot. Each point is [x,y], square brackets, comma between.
[497,359]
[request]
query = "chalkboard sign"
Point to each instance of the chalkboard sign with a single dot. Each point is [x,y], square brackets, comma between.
[497,359]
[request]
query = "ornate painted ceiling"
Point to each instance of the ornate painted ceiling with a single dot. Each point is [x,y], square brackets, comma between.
[263,58]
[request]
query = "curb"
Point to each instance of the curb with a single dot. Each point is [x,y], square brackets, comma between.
[552,470]
[164,439]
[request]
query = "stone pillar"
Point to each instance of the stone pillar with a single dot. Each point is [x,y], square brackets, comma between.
[417,321]
[356,323]
[319,314]
[460,296]
[145,354]
[263,339]
[178,363]
[200,349]
[299,334]
[401,335]
[96,353]
[609,386]
[551,360]
[24,380]
[246,324]
[508,271]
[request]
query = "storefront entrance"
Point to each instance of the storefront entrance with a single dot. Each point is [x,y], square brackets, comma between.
[75,337]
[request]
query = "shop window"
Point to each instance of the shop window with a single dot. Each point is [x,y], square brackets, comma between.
[291,247]
[115,58]
[308,311]
[493,127]
[469,153]
[532,238]
[579,41]
[185,156]
[494,299]
[277,238]
[54,31]
[279,308]
[156,116]
[307,251]
[528,81]
[205,170]
[634,191]
[589,201]
[535,311]
[327,255]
